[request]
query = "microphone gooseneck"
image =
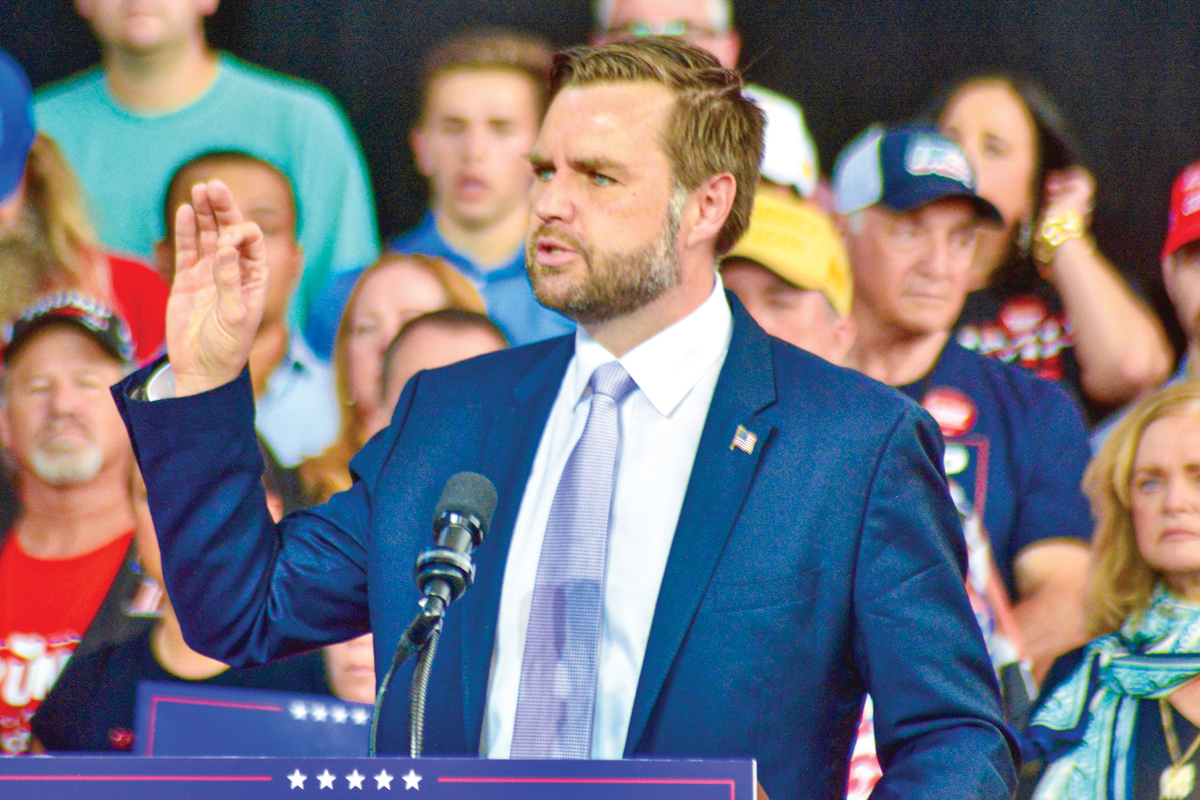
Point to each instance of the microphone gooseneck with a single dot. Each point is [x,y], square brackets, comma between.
[460,522]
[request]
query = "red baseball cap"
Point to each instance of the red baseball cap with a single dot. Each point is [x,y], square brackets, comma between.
[1183,221]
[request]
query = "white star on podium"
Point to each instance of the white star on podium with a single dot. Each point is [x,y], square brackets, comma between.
[327,778]
[319,713]
[355,779]
[339,714]
[412,781]
[297,779]
[383,780]
[360,716]
[299,710]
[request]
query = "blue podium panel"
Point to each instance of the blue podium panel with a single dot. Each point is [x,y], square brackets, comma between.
[176,719]
[170,778]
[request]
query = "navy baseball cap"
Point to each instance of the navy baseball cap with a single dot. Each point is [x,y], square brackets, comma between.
[903,169]
[76,309]
[16,124]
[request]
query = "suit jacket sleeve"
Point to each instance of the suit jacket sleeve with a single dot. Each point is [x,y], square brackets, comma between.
[246,590]
[920,653]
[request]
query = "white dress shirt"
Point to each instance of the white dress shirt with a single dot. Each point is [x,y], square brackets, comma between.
[661,422]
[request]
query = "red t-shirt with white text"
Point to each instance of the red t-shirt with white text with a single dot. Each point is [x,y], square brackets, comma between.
[45,606]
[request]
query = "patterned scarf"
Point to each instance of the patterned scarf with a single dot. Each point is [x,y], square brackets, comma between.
[1085,728]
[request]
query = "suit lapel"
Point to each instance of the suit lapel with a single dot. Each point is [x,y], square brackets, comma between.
[721,478]
[509,443]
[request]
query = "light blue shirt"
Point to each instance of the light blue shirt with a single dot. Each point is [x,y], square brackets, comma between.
[298,415]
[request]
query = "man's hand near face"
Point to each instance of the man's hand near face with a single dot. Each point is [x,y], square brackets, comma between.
[219,293]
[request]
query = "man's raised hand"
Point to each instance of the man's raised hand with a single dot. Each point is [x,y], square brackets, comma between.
[220,286]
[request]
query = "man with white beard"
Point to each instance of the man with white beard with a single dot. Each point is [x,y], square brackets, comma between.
[65,579]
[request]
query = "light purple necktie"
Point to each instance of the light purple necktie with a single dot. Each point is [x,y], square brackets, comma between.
[557,697]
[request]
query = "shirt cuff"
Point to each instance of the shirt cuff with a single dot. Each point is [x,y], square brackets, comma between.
[160,385]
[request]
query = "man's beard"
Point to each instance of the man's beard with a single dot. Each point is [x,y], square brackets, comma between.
[614,283]
[65,463]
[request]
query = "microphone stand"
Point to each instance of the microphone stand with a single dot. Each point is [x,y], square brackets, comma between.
[443,574]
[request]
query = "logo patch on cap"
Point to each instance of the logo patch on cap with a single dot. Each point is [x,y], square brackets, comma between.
[1191,179]
[927,156]
[1191,203]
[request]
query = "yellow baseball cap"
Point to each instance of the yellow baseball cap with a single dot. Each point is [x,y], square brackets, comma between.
[797,241]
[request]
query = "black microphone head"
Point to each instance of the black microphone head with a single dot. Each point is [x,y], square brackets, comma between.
[469,494]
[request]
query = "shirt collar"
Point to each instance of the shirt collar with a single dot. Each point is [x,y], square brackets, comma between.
[669,364]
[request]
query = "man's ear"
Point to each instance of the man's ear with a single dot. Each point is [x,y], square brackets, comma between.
[844,330]
[298,267]
[5,432]
[164,261]
[707,209]
[418,139]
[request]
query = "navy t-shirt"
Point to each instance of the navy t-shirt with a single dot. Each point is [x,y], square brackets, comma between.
[1017,446]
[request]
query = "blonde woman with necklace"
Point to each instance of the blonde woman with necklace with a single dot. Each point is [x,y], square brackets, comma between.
[1125,723]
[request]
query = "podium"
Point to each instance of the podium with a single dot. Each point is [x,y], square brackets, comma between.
[247,778]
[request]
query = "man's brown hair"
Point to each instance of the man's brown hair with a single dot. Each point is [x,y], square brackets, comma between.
[485,49]
[712,128]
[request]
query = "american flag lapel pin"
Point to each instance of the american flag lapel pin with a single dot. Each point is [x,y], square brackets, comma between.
[743,440]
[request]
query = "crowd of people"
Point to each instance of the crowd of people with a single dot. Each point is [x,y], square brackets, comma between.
[948,257]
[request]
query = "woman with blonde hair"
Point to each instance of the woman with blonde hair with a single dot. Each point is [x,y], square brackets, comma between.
[390,292]
[1125,722]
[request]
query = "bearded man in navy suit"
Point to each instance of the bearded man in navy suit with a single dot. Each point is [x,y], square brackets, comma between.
[781,538]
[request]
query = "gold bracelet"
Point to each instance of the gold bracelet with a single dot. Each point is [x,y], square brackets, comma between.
[1055,229]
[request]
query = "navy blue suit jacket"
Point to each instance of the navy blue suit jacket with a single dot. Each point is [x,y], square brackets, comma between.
[825,563]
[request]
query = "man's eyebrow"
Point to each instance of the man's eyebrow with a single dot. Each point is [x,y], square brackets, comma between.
[585,164]
[595,164]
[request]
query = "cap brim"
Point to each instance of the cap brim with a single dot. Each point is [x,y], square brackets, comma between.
[1184,234]
[932,193]
[31,329]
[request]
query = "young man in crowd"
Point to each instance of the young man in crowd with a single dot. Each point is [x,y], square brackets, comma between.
[789,153]
[161,95]
[297,414]
[790,270]
[482,99]
[1016,443]
[62,564]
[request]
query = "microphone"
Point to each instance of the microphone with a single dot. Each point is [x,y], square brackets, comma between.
[460,521]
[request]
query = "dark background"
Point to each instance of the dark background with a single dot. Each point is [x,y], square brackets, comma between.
[1127,73]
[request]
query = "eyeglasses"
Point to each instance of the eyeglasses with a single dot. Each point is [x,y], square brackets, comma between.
[674,27]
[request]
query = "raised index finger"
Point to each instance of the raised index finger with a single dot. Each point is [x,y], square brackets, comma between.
[187,245]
